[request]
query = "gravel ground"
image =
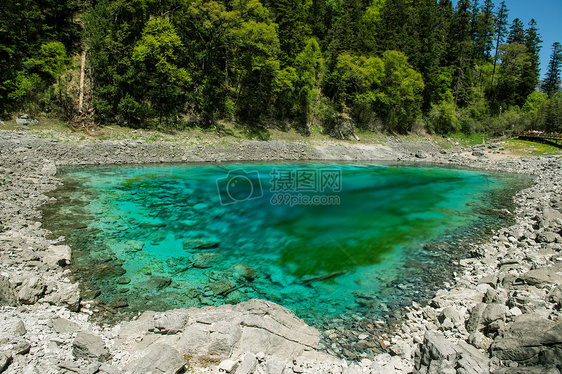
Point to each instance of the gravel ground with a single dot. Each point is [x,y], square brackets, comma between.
[502,313]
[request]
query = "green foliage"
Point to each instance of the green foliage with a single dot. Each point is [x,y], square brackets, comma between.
[515,60]
[550,114]
[442,118]
[387,88]
[371,64]
[162,82]
[552,82]
[534,102]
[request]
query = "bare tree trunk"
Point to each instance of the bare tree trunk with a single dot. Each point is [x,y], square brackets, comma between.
[82,76]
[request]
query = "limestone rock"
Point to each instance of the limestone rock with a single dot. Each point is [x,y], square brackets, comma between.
[543,276]
[438,355]
[134,245]
[474,322]
[171,322]
[225,331]
[529,336]
[64,326]
[31,290]
[49,169]
[68,295]
[161,358]
[57,255]
[202,241]
[8,295]
[548,237]
[10,328]
[220,287]
[555,295]
[452,314]
[90,347]
[248,364]
[494,312]
[4,362]
[480,340]
[228,365]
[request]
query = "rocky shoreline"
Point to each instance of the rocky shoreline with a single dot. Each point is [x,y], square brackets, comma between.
[502,314]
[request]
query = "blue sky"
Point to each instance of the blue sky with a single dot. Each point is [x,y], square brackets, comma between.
[547,13]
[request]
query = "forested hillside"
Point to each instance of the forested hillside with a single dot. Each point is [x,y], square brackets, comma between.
[334,65]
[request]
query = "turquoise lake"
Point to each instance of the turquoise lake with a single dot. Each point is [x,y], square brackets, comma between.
[323,240]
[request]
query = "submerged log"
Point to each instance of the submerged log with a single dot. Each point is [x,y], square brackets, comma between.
[324,276]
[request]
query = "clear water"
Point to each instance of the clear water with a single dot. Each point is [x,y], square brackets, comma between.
[321,239]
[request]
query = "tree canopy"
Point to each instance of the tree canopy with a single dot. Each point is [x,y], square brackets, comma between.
[382,64]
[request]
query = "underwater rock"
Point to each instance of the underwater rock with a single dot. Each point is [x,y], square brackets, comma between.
[244,271]
[134,245]
[201,241]
[156,282]
[220,287]
[204,260]
[124,280]
[107,271]
[235,297]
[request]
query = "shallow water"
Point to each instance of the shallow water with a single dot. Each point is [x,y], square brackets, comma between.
[323,240]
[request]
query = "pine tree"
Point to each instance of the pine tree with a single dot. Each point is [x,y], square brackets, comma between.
[294,31]
[530,76]
[516,32]
[485,31]
[461,51]
[551,83]
[500,33]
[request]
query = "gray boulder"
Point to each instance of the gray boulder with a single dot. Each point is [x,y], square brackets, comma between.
[204,260]
[57,255]
[64,326]
[11,328]
[90,347]
[4,362]
[248,364]
[108,271]
[543,276]
[161,358]
[224,332]
[484,315]
[8,295]
[555,295]
[244,272]
[26,120]
[67,295]
[529,337]
[438,355]
[170,323]
[31,290]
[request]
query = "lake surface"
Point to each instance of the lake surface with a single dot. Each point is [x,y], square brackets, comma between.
[323,240]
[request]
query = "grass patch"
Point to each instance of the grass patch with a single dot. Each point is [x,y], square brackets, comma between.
[469,140]
[525,148]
